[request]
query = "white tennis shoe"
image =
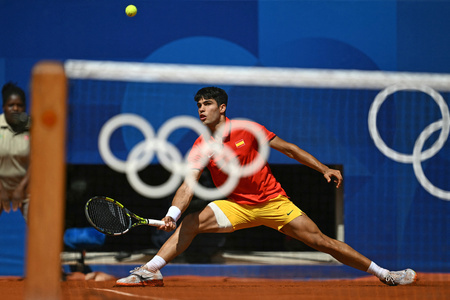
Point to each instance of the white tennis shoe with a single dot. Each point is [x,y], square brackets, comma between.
[403,277]
[140,276]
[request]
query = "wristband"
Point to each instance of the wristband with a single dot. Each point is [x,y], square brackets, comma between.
[174,212]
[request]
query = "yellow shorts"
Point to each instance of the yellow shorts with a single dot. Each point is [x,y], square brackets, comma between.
[274,213]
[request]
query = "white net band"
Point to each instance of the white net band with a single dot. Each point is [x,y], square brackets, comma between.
[251,76]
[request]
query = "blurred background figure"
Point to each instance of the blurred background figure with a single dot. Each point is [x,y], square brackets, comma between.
[14,150]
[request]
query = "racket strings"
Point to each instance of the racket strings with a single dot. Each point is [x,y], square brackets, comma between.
[108,216]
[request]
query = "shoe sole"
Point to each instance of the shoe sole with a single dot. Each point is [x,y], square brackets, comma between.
[142,283]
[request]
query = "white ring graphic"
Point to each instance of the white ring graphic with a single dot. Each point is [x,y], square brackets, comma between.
[110,126]
[166,130]
[417,165]
[134,163]
[171,159]
[417,157]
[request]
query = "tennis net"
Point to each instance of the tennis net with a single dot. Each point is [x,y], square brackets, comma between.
[386,131]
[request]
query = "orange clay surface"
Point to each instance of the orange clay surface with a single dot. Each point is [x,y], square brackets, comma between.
[428,286]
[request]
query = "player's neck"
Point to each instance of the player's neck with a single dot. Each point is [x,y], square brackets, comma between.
[215,126]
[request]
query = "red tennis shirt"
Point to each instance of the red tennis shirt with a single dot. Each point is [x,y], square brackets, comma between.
[254,189]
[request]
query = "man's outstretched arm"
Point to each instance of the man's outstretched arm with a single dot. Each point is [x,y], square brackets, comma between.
[303,157]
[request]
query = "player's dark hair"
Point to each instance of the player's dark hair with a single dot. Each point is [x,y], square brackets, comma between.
[9,89]
[212,92]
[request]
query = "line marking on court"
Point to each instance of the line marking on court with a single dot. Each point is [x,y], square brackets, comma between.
[132,295]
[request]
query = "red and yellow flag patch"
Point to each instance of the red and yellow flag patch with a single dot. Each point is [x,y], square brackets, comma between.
[240,143]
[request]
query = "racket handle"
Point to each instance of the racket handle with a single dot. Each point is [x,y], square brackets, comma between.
[155,223]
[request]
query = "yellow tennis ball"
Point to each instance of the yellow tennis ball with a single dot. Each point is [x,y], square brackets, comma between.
[131,10]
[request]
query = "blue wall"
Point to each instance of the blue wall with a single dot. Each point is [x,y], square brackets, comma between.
[388,215]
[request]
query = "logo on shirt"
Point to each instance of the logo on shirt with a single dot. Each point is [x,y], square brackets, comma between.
[240,143]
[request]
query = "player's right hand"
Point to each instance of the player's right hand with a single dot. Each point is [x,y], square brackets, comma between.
[17,198]
[169,225]
[5,203]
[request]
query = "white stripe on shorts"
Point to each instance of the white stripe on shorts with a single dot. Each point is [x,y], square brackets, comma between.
[221,218]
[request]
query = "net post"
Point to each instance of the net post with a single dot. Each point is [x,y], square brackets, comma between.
[47,183]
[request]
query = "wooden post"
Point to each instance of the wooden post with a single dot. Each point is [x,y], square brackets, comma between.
[47,181]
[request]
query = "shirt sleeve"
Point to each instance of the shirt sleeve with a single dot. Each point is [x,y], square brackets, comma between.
[268,134]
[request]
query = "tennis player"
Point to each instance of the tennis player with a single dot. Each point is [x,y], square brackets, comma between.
[258,200]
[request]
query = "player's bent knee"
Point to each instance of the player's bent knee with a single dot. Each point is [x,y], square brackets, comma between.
[191,220]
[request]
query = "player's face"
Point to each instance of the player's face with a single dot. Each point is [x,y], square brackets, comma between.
[13,106]
[209,112]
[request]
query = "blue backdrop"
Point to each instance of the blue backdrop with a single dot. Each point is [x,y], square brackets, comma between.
[388,214]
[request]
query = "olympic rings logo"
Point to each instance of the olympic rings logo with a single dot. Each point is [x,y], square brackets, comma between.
[171,159]
[417,155]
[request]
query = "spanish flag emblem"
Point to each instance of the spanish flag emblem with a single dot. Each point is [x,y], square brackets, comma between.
[240,143]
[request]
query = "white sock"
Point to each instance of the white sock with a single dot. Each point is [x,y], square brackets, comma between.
[374,269]
[155,264]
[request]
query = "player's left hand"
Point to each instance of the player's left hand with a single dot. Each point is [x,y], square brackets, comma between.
[333,175]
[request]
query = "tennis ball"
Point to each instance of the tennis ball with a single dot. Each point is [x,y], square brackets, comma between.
[131,10]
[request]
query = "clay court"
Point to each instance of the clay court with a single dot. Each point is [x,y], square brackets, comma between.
[429,286]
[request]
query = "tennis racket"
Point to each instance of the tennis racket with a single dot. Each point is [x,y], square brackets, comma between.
[112,218]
